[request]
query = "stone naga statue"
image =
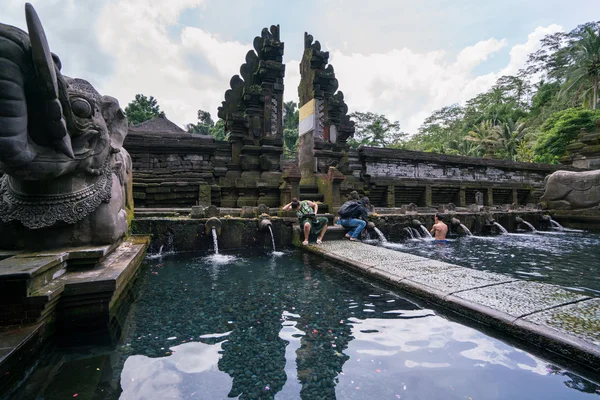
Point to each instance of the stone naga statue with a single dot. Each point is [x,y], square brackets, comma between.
[67,179]
[572,190]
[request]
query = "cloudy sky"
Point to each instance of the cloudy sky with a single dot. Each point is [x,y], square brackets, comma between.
[400,58]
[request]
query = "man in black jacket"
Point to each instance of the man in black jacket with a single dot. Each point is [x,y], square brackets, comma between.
[354,215]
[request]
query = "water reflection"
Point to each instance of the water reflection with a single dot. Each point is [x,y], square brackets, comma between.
[293,329]
[296,327]
[190,369]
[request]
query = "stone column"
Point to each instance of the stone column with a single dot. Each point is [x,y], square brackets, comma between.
[333,196]
[490,197]
[204,195]
[462,197]
[306,142]
[515,197]
[292,176]
[390,200]
[428,196]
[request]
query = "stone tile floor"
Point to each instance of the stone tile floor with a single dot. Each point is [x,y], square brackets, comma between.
[548,306]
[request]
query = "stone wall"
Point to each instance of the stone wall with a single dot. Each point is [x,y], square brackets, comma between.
[394,177]
[185,234]
[182,170]
[173,170]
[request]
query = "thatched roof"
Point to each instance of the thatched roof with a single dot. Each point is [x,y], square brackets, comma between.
[158,124]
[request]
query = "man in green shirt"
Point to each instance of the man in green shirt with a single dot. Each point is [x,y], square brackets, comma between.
[307,216]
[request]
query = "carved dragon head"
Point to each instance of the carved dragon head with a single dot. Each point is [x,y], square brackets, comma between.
[50,125]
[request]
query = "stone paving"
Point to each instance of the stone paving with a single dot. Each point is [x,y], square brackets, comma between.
[545,315]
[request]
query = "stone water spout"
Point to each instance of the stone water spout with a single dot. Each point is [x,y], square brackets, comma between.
[213,227]
[421,230]
[264,224]
[213,223]
[456,222]
[520,220]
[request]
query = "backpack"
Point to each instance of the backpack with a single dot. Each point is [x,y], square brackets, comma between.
[349,209]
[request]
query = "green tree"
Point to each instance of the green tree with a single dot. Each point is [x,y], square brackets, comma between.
[375,130]
[206,126]
[573,60]
[485,136]
[142,109]
[291,119]
[560,129]
[442,132]
[511,138]
[584,72]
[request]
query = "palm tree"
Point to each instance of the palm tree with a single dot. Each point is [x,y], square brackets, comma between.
[584,73]
[484,134]
[508,138]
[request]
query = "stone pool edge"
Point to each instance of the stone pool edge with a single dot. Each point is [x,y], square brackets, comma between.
[545,338]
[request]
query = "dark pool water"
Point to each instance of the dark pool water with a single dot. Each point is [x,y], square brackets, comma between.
[291,327]
[568,259]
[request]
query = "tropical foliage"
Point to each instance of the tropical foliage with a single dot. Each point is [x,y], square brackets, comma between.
[142,109]
[375,130]
[529,117]
[206,126]
[291,118]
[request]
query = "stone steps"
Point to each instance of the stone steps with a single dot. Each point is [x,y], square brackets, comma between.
[87,300]
[334,232]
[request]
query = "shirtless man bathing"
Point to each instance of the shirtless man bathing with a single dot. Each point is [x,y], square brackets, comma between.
[440,229]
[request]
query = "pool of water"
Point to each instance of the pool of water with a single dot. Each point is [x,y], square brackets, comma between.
[256,326]
[568,259]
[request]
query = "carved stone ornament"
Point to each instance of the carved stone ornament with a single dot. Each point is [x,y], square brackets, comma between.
[40,211]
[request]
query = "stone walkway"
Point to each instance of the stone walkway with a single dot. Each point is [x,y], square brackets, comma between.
[543,315]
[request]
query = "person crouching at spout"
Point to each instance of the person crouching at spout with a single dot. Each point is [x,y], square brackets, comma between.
[307,215]
[439,229]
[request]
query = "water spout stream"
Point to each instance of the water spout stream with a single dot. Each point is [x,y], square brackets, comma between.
[466,230]
[381,236]
[426,233]
[530,226]
[556,225]
[502,229]
[410,232]
[215,242]
[416,233]
[272,238]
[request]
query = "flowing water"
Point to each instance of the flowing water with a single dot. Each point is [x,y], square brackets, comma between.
[272,238]
[556,225]
[169,248]
[416,233]
[502,229]
[275,252]
[215,241]
[410,232]
[466,230]
[380,234]
[426,233]
[531,227]
[292,327]
[568,259]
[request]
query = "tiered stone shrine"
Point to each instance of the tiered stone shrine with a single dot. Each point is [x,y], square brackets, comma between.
[324,124]
[253,115]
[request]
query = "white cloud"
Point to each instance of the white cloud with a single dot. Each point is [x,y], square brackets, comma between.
[408,86]
[519,52]
[139,46]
